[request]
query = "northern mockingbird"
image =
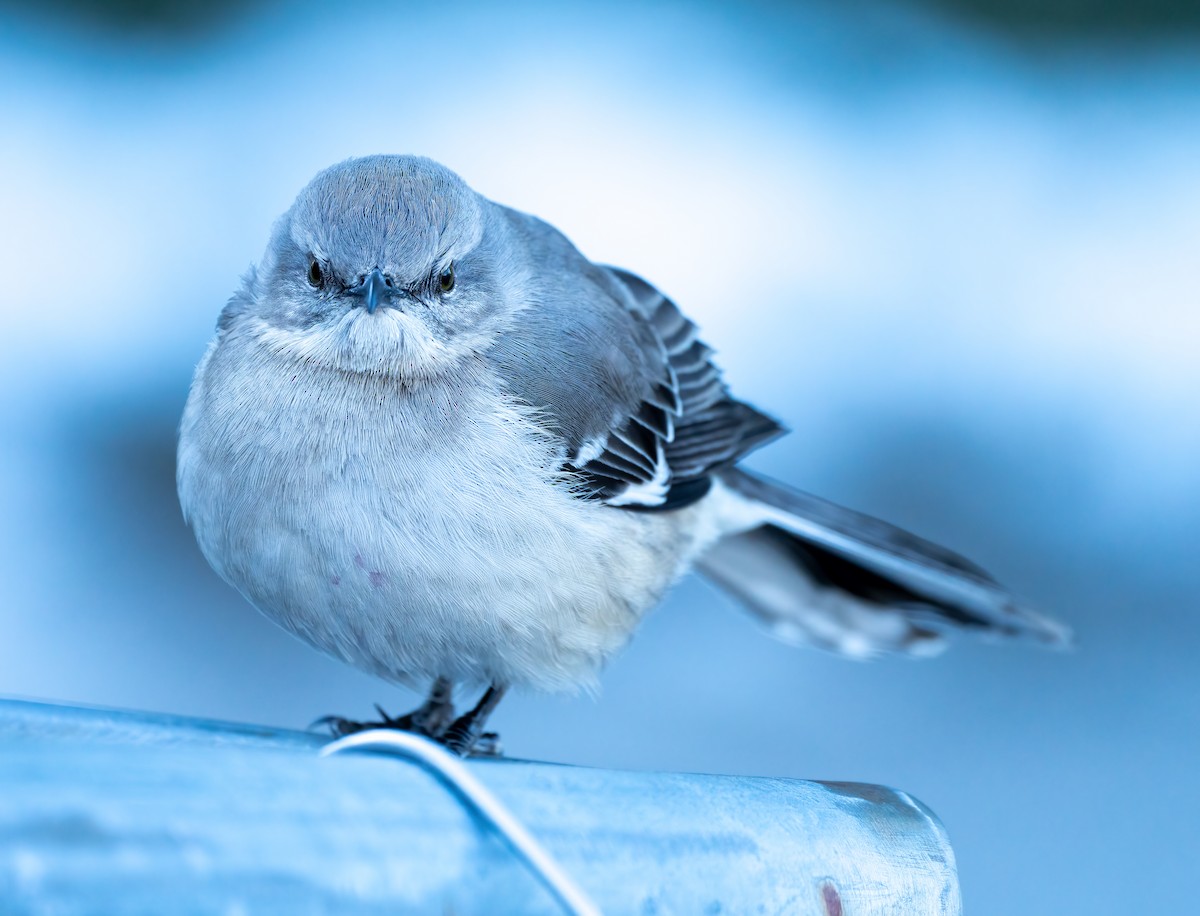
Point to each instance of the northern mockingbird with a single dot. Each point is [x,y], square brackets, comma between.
[435,441]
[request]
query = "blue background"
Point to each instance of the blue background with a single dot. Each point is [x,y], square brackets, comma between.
[961,264]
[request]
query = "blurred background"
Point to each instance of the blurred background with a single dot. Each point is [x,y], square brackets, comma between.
[953,245]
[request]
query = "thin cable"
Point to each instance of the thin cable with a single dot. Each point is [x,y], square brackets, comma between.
[451,771]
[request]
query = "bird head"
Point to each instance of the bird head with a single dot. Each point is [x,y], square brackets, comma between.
[386,265]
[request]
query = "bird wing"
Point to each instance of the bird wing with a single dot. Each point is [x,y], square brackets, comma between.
[614,368]
[822,574]
[685,427]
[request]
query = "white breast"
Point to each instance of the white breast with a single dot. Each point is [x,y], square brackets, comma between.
[413,532]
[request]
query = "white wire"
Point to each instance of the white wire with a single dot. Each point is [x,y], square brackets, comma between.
[453,773]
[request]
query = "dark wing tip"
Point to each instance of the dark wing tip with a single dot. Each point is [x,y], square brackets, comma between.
[1045,631]
[701,428]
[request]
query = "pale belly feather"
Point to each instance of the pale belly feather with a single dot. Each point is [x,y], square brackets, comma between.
[443,545]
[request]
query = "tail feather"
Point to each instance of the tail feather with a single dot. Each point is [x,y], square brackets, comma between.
[820,574]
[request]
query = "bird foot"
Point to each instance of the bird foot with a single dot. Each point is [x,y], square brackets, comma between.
[435,719]
[426,721]
[487,745]
[459,741]
[466,735]
[468,740]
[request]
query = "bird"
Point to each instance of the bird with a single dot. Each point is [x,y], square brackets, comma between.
[433,440]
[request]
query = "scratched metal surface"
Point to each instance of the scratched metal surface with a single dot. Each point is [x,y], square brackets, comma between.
[119,813]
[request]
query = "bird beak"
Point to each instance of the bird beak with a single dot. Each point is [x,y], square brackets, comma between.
[374,289]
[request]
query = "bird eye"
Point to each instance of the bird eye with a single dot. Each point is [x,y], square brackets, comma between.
[446,279]
[316,276]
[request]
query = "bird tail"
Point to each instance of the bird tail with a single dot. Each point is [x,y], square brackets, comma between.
[818,574]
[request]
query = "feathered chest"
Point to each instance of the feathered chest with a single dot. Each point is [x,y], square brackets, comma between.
[422,529]
[272,444]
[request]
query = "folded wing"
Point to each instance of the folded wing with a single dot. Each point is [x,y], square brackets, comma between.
[685,427]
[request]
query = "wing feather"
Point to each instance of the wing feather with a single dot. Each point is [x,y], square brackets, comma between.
[686,426]
[620,377]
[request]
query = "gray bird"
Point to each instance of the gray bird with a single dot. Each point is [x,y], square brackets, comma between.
[435,441]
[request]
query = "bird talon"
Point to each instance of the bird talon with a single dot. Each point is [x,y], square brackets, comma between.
[466,741]
[338,727]
[488,745]
[458,740]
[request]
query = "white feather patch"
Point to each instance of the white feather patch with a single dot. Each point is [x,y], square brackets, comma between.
[651,493]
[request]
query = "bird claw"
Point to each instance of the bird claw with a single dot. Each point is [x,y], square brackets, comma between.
[340,728]
[465,740]
[459,739]
[434,719]
[429,721]
[488,745]
[337,726]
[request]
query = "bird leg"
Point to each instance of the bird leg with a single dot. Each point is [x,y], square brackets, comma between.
[466,733]
[430,719]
